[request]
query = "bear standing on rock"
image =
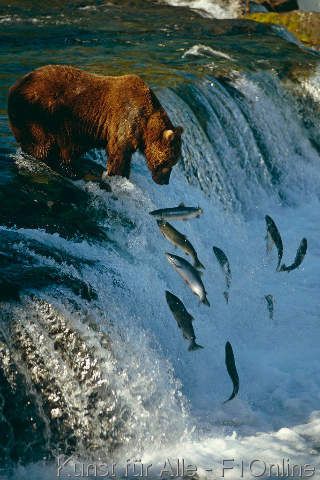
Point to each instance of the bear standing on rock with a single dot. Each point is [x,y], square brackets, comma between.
[59,112]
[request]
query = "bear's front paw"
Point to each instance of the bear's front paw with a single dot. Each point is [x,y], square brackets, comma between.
[69,171]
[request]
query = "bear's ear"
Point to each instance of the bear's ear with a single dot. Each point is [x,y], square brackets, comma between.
[179,130]
[168,135]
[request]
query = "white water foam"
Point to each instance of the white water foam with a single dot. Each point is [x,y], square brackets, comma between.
[205,50]
[311,84]
[211,8]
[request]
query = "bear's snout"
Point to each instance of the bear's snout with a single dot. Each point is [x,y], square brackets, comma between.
[162,178]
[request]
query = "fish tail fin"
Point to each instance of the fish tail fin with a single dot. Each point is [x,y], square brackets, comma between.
[230,398]
[206,302]
[226,296]
[198,264]
[233,394]
[194,346]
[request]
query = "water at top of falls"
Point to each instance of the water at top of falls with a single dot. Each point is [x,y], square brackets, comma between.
[212,8]
[309,5]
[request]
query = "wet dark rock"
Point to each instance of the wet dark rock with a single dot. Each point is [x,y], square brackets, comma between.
[54,395]
[23,431]
[43,199]
[278,5]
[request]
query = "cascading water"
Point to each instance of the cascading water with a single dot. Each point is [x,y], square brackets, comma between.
[92,363]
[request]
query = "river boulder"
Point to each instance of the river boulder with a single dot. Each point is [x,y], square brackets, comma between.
[303,25]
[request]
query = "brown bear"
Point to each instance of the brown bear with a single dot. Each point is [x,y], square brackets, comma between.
[58,112]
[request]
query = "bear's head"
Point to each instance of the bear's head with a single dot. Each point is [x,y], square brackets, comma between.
[162,153]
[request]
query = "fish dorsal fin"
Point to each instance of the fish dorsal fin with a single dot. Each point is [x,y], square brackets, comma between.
[181,204]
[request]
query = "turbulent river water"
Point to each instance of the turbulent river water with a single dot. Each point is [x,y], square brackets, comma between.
[92,364]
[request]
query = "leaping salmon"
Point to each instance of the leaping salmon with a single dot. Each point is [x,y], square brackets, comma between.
[232,370]
[181,212]
[301,253]
[225,266]
[270,304]
[274,237]
[183,319]
[179,240]
[190,275]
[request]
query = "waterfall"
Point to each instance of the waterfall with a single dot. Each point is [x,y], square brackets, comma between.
[92,361]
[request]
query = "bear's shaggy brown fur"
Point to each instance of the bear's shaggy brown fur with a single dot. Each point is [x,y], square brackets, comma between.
[60,112]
